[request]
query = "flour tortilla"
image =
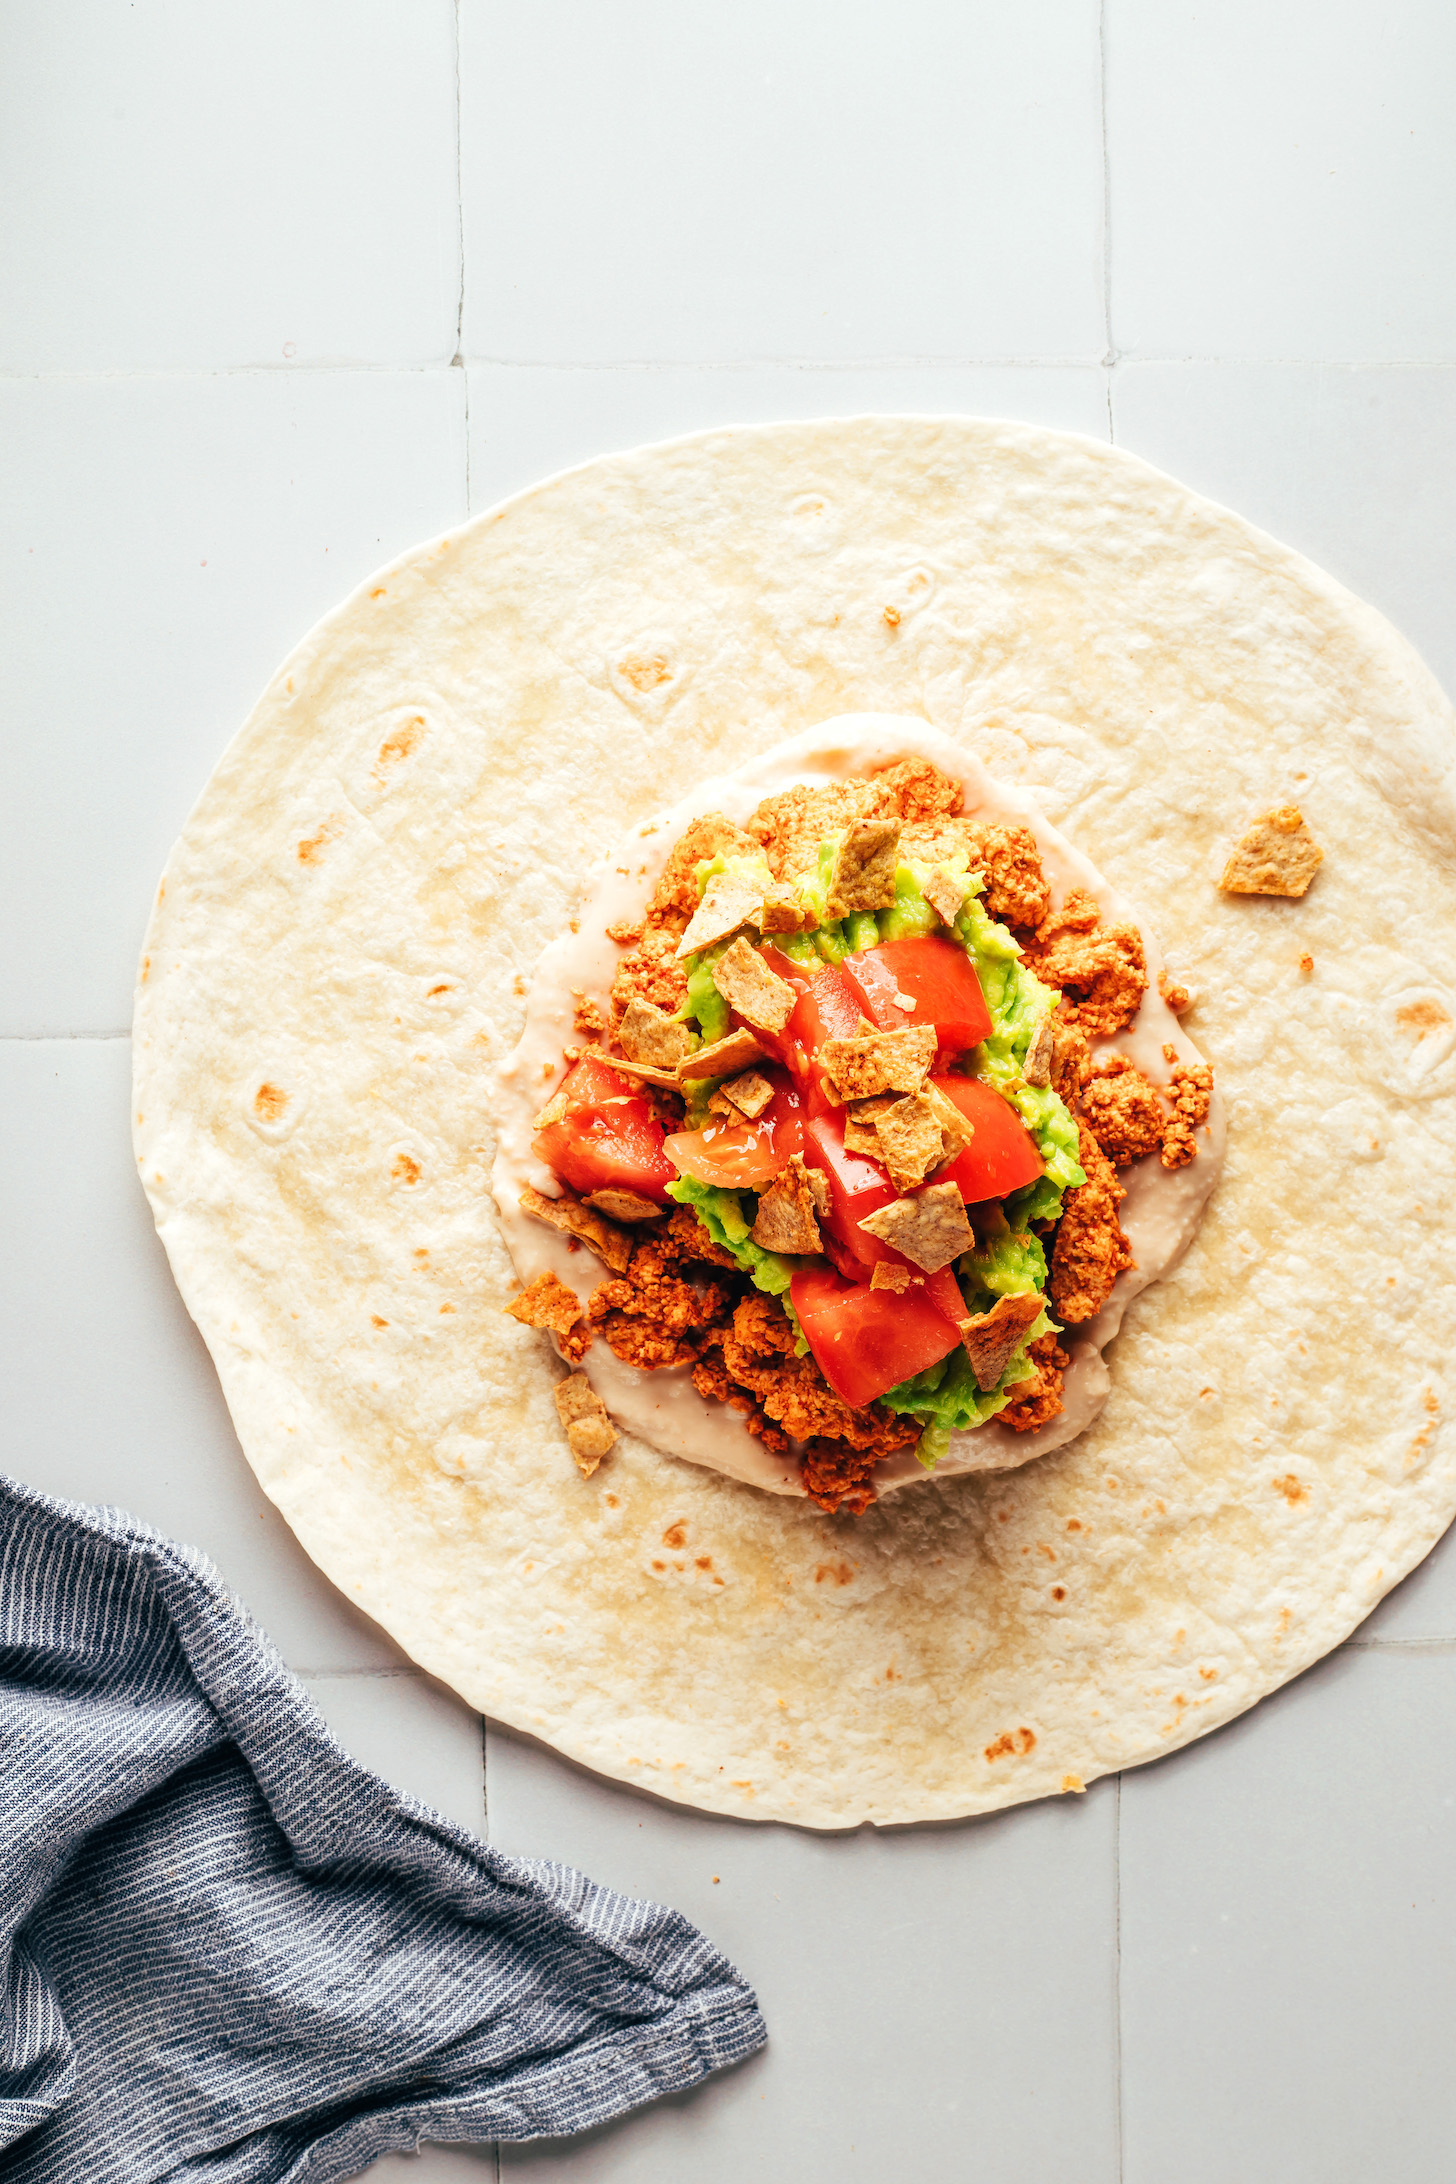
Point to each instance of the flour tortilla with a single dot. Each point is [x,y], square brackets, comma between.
[1160,1212]
[337,962]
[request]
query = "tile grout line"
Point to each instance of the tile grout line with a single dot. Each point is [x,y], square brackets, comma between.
[1117,1977]
[1109,354]
[824,366]
[56,1038]
[457,361]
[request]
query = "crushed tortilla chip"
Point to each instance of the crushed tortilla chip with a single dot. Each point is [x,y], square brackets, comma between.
[648,1034]
[749,1094]
[548,1303]
[1016,886]
[931,1228]
[787,1211]
[1277,856]
[645,1072]
[956,1130]
[730,899]
[884,1274]
[752,989]
[860,1134]
[725,1058]
[568,1214]
[554,1111]
[590,1434]
[1037,1068]
[946,892]
[882,1061]
[783,912]
[911,1140]
[864,868]
[991,1338]
[623,1205]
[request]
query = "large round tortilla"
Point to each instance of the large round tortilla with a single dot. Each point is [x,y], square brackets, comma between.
[336,964]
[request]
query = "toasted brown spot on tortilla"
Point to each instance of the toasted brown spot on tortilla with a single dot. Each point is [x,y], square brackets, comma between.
[1293,1490]
[648,1034]
[730,900]
[548,1303]
[752,989]
[623,1205]
[882,1061]
[589,1431]
[787,1212]
[1422,1016]
[864,868]
[568,1214]
[406,1168]
[931,1228]
[399,745]
[312,847]
[675,1535]
[1306,962]
[376,1321]
[1277,856]
[992,1338]
[644,670]
[269,1102]
[725,1058]
[1012,1742]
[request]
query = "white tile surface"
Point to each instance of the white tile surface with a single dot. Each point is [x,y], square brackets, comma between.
[1283,178]
[940,2001]
[1356,466]
[1288,1898]
[413,1731]
[110,1395]
[436,2165]
[833,179]
[192,187]
[527,421]
[166,542]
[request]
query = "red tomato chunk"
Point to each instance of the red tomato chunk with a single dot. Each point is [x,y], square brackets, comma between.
[936,975]
[608,1139]
[1002,1156]
[857,1186]
[867,1340]
[743,1155]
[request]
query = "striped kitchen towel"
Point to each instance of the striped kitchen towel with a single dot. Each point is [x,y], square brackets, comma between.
[231,1953]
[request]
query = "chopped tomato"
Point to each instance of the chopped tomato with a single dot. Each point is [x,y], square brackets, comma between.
[933,973]
[609,1138]
[1002,1155]
[867,1340]
[739,1155]
[857,1186]
[827,1008]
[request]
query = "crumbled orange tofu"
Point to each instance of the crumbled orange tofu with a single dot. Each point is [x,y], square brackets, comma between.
[931,1228]
[787,1210]
[588,1016]
[589,1431]
[1277,856]
[881,1061]
[1071,1059]
[1016,887]
[747,984]
[1036,1402]
[913,789]
[651,1317]
[1100,968]
[675,897]
[1090,1250]
[1177,997]
[651,972]
[790,826]
[1191,1093]
[1122,1110]
[991,1338]
[547,1303]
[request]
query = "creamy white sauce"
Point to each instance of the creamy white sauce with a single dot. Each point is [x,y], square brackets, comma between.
[1159,1213]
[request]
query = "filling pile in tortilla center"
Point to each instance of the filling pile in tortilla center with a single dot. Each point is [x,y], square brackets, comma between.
[840,1142]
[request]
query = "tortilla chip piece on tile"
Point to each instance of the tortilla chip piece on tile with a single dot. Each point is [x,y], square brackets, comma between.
[931,1228]
[752,989]
[991,1338]
[911,1138]
[725,1058]
[1278,856]
[864,868]
[568,1214]
[590,1434]
[787,1211]
[730,900]
[648,1034]
[883,1061]
[946,891]
[623,1205]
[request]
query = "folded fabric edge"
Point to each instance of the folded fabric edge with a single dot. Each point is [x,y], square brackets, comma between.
[558,2097]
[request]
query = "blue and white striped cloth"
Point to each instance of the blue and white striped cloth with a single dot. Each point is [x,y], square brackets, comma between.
[230,1953]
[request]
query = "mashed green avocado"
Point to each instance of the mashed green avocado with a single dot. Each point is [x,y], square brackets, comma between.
[1011,1260]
